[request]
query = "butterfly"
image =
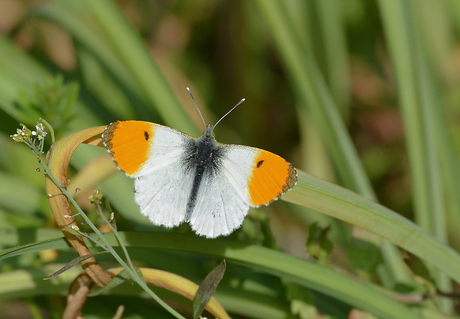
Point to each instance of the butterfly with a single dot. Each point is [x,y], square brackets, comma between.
[179,178]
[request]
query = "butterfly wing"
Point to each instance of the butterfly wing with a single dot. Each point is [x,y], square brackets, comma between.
[153,154]
[246,177]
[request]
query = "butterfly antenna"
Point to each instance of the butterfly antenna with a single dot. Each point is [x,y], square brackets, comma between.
[237,104]
[190,92]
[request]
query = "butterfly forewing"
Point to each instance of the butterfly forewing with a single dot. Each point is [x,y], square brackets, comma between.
[161,177]
[129,143]
[270,177]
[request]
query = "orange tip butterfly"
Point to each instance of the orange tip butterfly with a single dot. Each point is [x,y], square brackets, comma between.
[181,178]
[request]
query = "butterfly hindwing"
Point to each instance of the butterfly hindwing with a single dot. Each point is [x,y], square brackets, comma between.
[161,194]
[223,200]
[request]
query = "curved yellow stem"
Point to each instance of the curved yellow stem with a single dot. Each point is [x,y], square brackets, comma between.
[58,164]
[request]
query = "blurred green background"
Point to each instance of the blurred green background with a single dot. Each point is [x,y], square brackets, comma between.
[364,94]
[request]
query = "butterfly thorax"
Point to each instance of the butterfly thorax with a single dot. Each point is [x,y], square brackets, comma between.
[206,147]
[202,157]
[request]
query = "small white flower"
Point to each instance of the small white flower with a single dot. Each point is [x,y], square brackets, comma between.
[17,137]
[40,127]
[40,133]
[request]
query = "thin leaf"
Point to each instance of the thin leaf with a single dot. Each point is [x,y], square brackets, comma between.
[419,100]
[72,263]
[33,247]
[208,288]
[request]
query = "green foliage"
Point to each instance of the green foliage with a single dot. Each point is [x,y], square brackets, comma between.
[364,258]
[361,93]
[52,100]
[319,246]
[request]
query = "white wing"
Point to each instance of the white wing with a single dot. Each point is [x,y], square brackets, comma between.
[163,185]
[223,200]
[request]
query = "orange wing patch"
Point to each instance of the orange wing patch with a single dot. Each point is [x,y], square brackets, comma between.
[271,177]
[129,143]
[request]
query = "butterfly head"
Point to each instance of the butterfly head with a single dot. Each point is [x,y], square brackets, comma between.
[207,138]
[210,128]
[209,133]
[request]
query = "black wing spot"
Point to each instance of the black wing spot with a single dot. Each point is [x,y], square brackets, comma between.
[259,163]
[146,135]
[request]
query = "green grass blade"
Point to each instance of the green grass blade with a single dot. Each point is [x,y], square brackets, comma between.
[330,17]
[73,19]
[419,105]
[30,241]
[416,98]
[340,203]
[130,49]
[314,95]
[273,262]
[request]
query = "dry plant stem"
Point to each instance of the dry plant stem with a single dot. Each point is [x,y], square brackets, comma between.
[119,313]
[58,165]
[76,298]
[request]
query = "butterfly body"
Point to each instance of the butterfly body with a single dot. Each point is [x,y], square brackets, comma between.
[203,158]
[180,178]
